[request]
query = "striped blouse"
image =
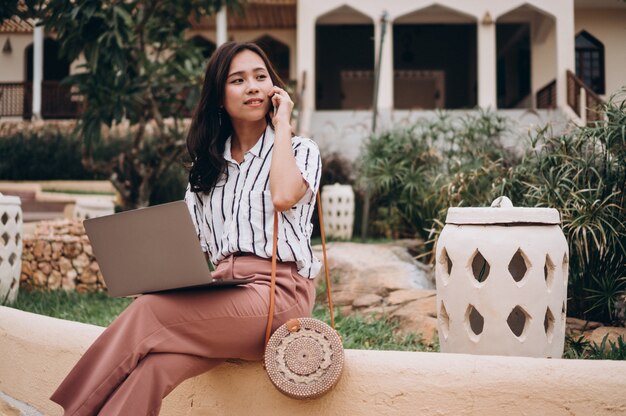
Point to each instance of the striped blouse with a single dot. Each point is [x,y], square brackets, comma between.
[238,214]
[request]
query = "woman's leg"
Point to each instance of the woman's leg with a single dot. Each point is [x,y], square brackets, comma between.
[154,378]
[219,324]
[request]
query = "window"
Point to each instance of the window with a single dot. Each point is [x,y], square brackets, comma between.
[590,61]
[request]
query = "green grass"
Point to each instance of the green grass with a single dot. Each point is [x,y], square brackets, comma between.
[91,308]
[367,333]
[357,332]
[78,192]
[318,240]
[100,309]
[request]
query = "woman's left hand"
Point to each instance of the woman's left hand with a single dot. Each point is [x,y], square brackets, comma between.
[282,105]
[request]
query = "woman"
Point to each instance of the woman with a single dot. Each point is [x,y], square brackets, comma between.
[246,164]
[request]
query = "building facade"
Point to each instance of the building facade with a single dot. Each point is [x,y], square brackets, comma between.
[535,60]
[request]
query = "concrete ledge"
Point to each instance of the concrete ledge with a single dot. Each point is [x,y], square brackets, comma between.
[37,352]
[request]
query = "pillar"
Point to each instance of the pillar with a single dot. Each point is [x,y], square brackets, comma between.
[37,69]
[221,26]
[565,51]
[487,78]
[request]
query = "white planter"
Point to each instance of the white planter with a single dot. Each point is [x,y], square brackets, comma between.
[501,277]
[338,207]
[10,248]
[87,208]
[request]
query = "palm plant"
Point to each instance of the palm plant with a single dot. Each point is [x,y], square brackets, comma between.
[583,174]
[416,173]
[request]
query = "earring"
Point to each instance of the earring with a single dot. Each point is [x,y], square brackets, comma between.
[219,116]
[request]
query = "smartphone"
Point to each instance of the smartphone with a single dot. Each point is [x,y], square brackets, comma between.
[274,105]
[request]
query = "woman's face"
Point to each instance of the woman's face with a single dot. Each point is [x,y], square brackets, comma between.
[247,87]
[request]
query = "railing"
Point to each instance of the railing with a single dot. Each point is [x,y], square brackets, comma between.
[585,103]
[12,99]
[546,97]
[56,100]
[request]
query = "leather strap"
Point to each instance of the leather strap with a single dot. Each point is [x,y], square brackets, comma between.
[270,318]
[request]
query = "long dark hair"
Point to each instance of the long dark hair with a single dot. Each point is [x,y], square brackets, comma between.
[211,126]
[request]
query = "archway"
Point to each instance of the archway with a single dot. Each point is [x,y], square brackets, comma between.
[56,99]
[278,54]
[344,60]
[54,67]
[435,59]
[590,61]
[526,59]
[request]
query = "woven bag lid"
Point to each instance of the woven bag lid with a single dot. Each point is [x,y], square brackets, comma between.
[502,211]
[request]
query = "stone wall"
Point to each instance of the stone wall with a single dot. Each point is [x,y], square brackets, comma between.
[59,256]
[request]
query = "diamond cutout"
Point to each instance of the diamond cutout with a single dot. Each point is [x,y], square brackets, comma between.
[1,260]
[548,271]
[4,218]
[474,321]
[518,266]
[518,321]
[548,324]
[446,263]
[5,238]
[444,321]
[480,267]
[565,269]
[12,258]
[17,217]
[17,239]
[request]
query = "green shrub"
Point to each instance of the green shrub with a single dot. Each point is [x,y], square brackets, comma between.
[583,175]
[49,155]
[171,186]
[53,154]
[414,174]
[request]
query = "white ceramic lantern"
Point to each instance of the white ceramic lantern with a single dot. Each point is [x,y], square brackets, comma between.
[502,281]
[10,248]
[87,208]
[338,207]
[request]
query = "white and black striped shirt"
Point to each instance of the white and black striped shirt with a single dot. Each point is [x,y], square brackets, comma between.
[237,215]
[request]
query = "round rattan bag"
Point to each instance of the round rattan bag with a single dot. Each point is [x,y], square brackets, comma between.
[304,358]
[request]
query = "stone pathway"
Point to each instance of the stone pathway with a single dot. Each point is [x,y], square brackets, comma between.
[384,280]
[12,407]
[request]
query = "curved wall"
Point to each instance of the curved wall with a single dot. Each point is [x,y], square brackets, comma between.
[37,351]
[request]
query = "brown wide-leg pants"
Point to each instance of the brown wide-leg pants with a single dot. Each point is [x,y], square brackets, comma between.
[162,339]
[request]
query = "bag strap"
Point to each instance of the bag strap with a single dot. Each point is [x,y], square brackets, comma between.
[270,318]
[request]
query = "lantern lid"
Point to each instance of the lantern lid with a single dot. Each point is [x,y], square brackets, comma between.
[502,211]
[10,200]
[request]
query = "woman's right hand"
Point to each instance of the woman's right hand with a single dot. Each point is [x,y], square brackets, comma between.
[283,105]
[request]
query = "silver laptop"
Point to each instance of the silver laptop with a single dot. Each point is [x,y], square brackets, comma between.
[151,250]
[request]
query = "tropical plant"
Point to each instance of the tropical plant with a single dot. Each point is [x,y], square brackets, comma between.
[582,348]
[138,69]
[414,174]
[583,175]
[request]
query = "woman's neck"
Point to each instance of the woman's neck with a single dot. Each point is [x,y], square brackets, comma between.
[245,135]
